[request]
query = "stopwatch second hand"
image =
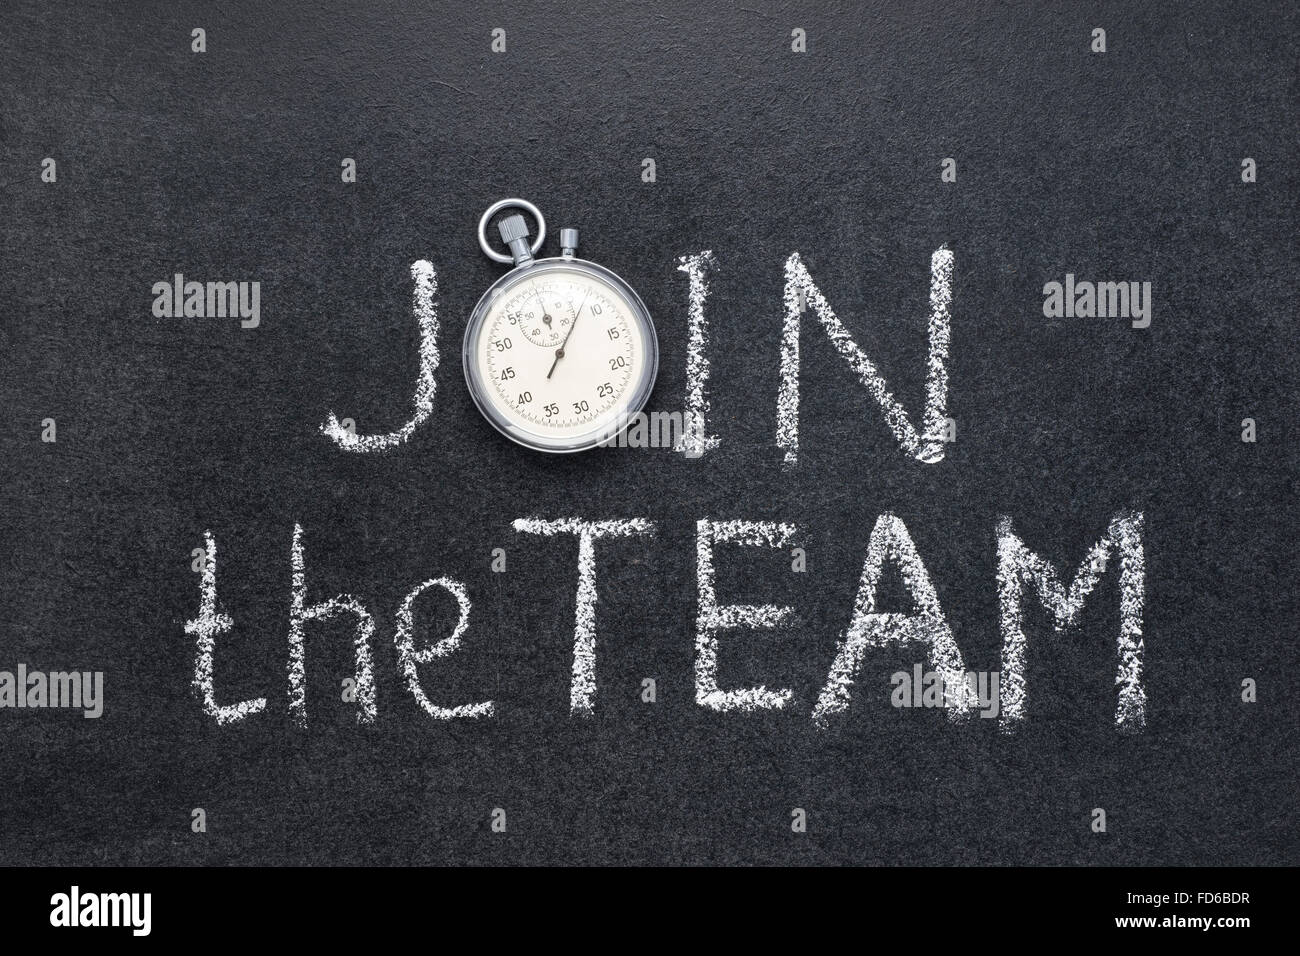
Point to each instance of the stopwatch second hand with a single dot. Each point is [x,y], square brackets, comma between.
[559,353]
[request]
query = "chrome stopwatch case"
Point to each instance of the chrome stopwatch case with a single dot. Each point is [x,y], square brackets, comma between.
[559,354]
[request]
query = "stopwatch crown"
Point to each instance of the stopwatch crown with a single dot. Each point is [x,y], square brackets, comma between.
[514,233]
[512,228]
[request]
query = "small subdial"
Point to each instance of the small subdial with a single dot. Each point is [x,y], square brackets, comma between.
[542,313]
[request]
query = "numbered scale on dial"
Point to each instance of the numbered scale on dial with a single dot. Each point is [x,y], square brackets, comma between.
[559,353]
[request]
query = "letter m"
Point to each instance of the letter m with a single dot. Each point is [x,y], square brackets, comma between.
[116,909]
[223,300]
[1018,566]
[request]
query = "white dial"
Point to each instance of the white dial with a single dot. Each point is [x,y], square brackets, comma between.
[560,355]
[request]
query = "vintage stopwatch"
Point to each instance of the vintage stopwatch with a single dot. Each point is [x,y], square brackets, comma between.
[560,353]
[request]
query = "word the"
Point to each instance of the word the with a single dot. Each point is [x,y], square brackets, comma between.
[79,690]
[213,300]
[1102,300]
[928,690]
[103,909]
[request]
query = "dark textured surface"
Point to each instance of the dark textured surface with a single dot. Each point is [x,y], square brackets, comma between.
[226,166]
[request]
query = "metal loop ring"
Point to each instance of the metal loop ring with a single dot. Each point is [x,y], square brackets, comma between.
[495,208]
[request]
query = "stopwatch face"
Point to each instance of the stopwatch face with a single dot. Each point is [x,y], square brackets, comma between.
[560,354]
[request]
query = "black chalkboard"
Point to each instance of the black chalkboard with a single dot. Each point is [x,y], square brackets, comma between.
[774,129]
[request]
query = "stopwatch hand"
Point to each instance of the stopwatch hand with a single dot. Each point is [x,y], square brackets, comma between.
[546,316]
[559,353]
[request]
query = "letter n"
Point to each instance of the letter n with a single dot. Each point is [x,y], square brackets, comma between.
[801,292]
